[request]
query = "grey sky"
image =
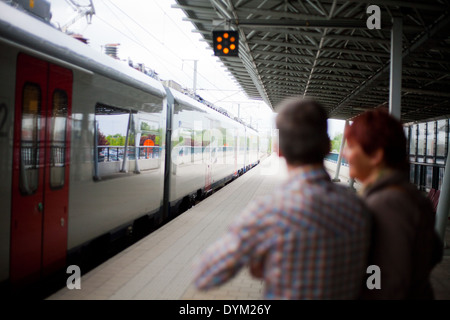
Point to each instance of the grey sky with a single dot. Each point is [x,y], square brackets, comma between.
[153,33]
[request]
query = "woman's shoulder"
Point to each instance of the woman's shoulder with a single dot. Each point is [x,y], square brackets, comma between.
[393,187]
[399,201]
[394,196]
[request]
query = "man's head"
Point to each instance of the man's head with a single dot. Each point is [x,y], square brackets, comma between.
[302,126]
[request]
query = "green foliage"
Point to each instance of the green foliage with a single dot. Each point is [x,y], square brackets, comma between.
[101,139]
[116,140]
[145,126]
[336,142]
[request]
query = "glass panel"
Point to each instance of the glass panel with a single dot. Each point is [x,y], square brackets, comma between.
[29,144]
[413,141]
[431,139]
[112,132]
[441,136]
[429,177]
[150,136]
[406,131]
[421,140]
[412,173]
[112,125]
[58,138]
[441,177]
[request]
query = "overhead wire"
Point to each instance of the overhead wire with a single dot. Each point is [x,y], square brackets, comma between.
[160,42]
[138,43]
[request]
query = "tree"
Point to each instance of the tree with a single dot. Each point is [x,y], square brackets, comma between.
[116,139]
[336,142]
[101,139]
[145,126]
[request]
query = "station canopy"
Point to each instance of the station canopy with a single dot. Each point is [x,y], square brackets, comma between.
[324,49]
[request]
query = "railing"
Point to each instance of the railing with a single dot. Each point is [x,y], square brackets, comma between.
[333,157]
[148,152]
[426,176]
[29,154]
[116,153]
[57,155]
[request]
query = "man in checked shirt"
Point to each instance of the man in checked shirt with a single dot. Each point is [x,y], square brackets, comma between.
[309,239]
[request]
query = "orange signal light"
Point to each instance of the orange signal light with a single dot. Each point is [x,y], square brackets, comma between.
[225,43]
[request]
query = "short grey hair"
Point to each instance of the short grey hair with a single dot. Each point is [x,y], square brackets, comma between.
[303,136]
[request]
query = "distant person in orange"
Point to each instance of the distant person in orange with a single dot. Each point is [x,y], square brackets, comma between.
[404,244]
[149,150]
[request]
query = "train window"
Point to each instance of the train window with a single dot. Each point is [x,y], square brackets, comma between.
[30,140]
[115,140]
[149,135]
[112,127]
[58,138]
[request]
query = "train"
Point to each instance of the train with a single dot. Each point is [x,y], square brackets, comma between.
[93,150]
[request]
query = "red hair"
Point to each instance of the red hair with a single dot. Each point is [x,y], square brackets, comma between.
[377,129]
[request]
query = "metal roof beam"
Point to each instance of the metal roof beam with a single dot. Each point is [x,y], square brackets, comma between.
[279,54]
[424,5]
[198,20]
[296,23]
[357,39]
[196,9]
[426,92]
[347,70]
[277,14]
[425,70]
[325,50]
[314,81]
[443,21]
[316,77]
[355,51]
[318,67]
[282,44]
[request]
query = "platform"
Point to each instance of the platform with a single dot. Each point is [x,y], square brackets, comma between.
[160,265]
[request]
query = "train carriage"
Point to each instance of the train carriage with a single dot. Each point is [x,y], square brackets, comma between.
[91,147]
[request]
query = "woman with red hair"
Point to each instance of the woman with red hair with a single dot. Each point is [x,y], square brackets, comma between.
[404,244]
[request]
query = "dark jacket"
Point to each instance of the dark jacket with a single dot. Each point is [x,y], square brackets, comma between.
[404,243]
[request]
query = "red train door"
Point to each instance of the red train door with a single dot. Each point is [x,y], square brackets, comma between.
[57,156]
[40,169]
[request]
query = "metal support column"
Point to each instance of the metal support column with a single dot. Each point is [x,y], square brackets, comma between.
[395,89]
[137,147]
[443,208]
[195,77]
[125,149]
[351,183]
[170,102]
[96,177]
[341,149]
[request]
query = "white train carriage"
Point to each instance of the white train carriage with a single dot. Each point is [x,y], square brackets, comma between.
[90,147]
